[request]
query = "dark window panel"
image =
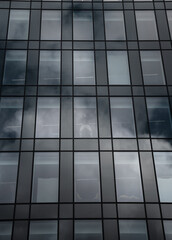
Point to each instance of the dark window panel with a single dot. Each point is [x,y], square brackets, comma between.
[110,230]
[66,117]
[67,67]
[65,229]
[101,71]
[32,67]
[134,60]
[5,230]
[67,25]
[131,211]
[162,25]
[20,230]
[98,25]
[35,24]
[155,230]
[130,25]
[44,211]
[167,58]
[168,229]
[3,23]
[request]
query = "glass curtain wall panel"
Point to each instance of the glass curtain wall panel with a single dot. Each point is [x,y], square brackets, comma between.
[82,25]
[18,25]
[45,177]
[11,117]
[159,116]
[163,165]
[8,177]
[118,69]
[85,117]
[153,73]
[169,15]
[51,25]
[43,230]
[146,25]
[84,68]
[168,229]
[49,68]
[128,179]
[88,230]
[122,115]
[114,25]
[87,177]
[5,230]
[48,117]
[15,67]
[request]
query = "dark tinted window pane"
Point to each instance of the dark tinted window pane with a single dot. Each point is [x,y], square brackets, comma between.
[19,24]
[87,179]
[8,177]
[15,67]
[159,117]
[169,15]
[88,230]
[45,177]
[49,68]
[11,117]
[5,230]
[168,230]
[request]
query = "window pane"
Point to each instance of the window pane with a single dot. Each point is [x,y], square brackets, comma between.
[85,117]
[128,180]
[87,179]
[15,67]
[163,165]
[11,117]
[118,69]
[88,230]
[45,177]
[122,117]
[84,73]
[133,230]
[146,25]
[159,117]
[47,124]
[82,25]
[5,230]
[49,68]
[8,176]
[169,15]
[43,230]
[19,24]
[114,25]
[168,230]
[152,68]
[51,25]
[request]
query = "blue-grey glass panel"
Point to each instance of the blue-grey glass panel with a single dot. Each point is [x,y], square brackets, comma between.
[3,23]
[163,165]
[11,117]
[5,230]
[45,177]
[159,117]
[48,111]
[88,230]
[122,117]
[169,15]
[82,25]
[49,68]
[118,69]
[128,179]
[8,177]
[51,25]
[146,25]
[133,230]
[114,25]
[15,67]
[153,73]
[85,117]
[43,230]
[84,69]
[87,177]
[168,230]
[18,24]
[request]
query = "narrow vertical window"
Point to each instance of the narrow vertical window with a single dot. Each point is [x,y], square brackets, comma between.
[168,229]
[122,117]
[5,230]
[51,25]
[82,25]
[146,25]
[45,177]
[114,25]
[87,179]
[48,111]
[169,15]
[49,68]
[15,67]
[84,73]
[18,24]
[128,179]
[153,73]
[159,116]
[118,69]
[85,117]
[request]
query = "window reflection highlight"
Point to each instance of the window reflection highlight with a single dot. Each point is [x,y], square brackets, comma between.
[169,15]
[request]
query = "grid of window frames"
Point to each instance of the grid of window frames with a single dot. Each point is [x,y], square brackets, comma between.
[85,124]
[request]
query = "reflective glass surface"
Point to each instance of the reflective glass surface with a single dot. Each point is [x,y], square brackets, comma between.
[5,230]
[168,230]
[169,15]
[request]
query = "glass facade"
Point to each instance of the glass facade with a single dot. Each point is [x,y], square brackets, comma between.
[85,119]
